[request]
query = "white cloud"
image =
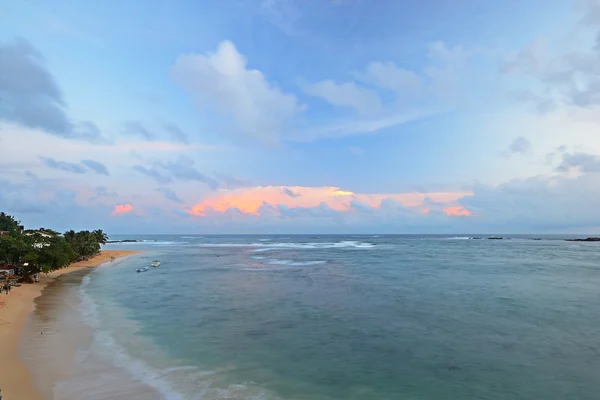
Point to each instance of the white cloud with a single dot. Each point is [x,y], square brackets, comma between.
[259,108]
[348,94]
[389,76]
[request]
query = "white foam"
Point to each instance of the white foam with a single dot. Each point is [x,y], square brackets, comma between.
[192,383]
[345,244]
[138,369]
[275,261]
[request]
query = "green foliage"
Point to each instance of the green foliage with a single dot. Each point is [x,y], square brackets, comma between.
[42,253]
[85,243]
[8,223]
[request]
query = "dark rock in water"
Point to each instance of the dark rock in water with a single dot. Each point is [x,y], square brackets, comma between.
[476,238]
[124,241]
[536,239]
[495,238]
[590,239]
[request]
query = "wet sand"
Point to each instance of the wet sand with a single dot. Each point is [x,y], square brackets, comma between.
[15,378]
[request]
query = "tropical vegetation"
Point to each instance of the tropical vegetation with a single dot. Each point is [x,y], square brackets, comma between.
[44,250]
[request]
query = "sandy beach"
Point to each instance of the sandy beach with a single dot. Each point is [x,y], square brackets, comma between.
[15,378]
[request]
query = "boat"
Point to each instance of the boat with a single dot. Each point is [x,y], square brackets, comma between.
[143,269]
[155,263]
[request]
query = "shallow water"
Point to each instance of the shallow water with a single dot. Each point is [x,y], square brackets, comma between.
[330,317]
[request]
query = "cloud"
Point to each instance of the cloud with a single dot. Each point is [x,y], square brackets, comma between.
[520,146]
[290,192]
[75,168]
[101,192]
[95,166]
[347,94]
[258,107]
[176,132]
[122,209]
[229,181]
[582,161]
[565,74]
[136,128]
[82,167]
[389,76]
[30,96]
[183,169]
[152,173]
[539,203]
[252,200]
[169,194]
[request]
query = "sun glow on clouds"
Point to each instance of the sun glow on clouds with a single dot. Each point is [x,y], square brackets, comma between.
[250,200]
[122,209]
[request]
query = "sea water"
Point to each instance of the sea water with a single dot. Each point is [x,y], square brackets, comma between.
[333,317]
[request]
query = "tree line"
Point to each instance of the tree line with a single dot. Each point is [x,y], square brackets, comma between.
[44,250]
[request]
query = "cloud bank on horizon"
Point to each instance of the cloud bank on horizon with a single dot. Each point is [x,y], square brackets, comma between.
[287,117]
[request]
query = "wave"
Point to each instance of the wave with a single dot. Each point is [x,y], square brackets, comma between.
[192,383]
[460,238]
[310,245]
[119,356]
[275,261]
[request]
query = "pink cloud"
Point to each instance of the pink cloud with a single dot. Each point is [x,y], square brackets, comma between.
[122,209]
[250,200]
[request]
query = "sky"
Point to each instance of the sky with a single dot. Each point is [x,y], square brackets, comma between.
[301,116]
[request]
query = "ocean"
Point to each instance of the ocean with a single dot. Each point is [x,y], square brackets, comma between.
[325,318]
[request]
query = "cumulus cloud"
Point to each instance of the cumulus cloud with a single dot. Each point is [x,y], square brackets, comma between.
[169,194]
[81,167]
[258,107]
[30,96]
[520,146]
[348,94]
[252,200]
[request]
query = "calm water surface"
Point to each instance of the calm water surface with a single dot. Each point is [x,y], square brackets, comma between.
[349,317]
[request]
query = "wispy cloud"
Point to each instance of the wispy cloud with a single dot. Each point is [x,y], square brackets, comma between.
[81,167]
[169,194]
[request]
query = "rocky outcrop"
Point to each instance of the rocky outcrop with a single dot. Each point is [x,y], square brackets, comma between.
[590,239]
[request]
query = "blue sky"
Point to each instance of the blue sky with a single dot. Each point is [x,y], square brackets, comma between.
[184,116]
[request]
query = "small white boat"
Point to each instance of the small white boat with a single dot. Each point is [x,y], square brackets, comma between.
[143,269]
[155,263]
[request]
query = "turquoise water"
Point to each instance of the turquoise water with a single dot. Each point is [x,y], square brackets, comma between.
[352,317]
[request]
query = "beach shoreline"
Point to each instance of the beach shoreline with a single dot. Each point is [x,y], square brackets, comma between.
[16,380]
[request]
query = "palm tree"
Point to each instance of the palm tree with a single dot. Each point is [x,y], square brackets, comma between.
[69,236]
[101,237]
